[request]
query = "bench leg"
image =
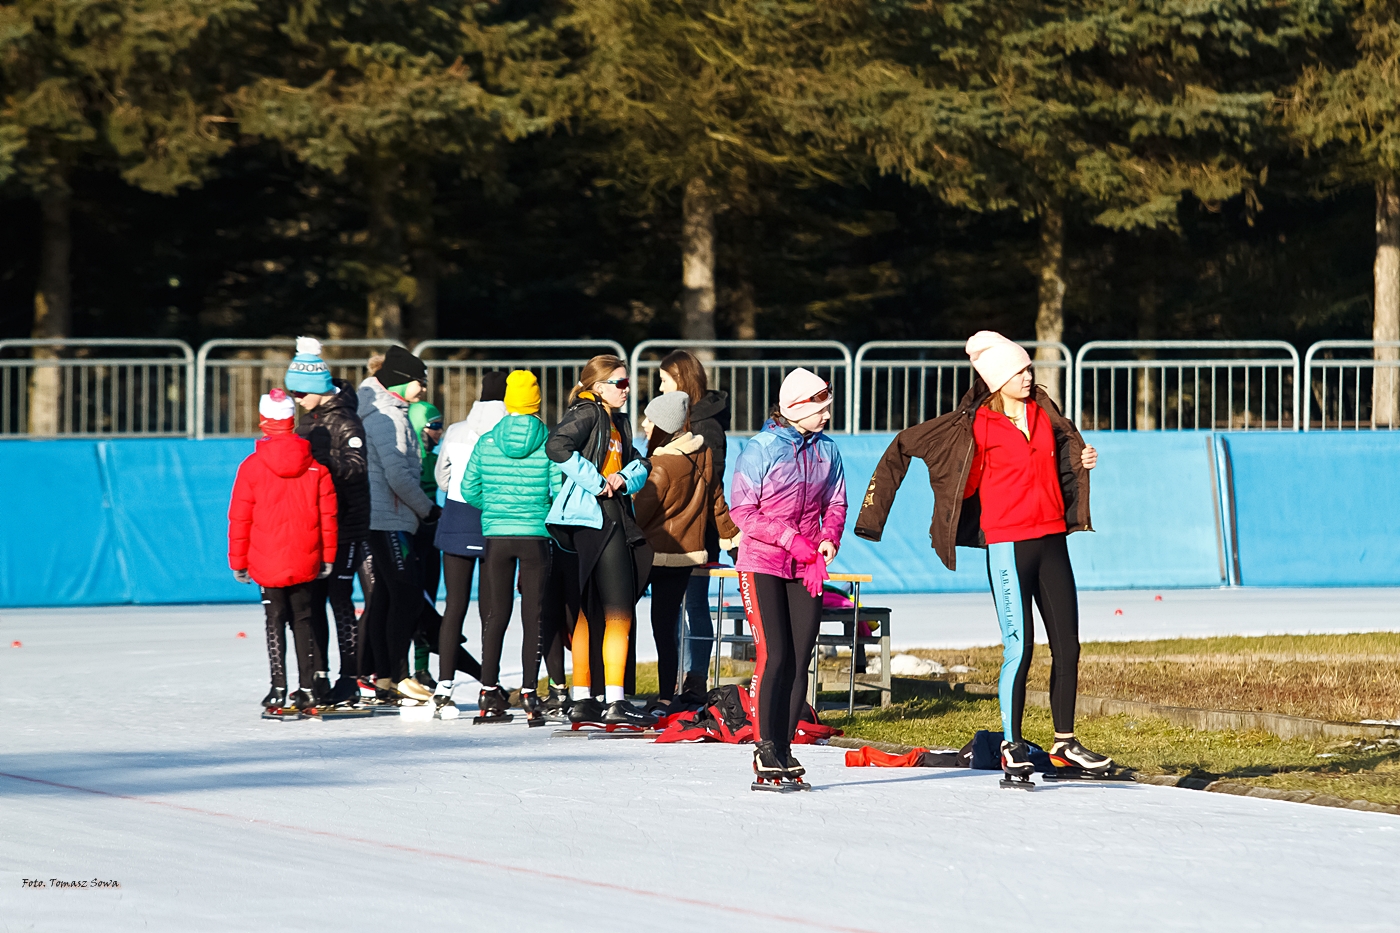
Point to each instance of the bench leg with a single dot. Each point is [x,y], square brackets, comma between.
[886,690]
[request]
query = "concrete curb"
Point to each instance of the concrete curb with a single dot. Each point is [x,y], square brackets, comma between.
[1210,785]
[1212,720]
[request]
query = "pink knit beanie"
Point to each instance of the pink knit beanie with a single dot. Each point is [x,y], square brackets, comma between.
[795,398]
[995,358]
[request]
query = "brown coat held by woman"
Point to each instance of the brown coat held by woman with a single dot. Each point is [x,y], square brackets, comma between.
[681,494]
[946,446]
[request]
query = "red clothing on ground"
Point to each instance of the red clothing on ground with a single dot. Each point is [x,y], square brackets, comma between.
[1018,479]
[282,519]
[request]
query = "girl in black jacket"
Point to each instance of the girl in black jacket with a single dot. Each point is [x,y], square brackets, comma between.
[592,517]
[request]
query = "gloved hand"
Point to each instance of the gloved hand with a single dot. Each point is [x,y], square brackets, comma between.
[242,576]
[325,571]
[814,574]
[802,550]
[433,515]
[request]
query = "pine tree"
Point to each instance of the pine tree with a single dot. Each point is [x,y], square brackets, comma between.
[694,98]
[379,95]
[1080,108]
[122,85]
[1346,110]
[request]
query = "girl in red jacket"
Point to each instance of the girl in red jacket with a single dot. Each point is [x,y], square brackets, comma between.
[282,535]
[1015,473]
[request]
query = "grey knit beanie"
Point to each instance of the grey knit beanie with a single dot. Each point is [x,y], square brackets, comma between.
[668,411]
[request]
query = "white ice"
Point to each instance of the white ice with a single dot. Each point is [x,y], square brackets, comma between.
[132,751]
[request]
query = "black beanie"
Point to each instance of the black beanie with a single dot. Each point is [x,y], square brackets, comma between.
[493,386]
[399,367]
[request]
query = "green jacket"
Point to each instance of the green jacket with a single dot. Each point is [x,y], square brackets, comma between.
[510,478]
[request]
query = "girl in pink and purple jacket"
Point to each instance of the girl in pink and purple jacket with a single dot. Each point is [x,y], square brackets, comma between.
[789,499]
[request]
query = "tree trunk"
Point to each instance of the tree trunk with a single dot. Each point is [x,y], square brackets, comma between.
[1145,404]
[745,311]
[53,303]
[1385,386]
[698,261]
[385,256]
[422,254]
[1050,315]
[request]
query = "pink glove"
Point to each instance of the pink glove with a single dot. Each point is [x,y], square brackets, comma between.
[802,550]
[814,574]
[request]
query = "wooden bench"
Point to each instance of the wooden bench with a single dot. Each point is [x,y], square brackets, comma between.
[849,636]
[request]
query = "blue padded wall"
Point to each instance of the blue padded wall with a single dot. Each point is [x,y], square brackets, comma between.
[1317,509]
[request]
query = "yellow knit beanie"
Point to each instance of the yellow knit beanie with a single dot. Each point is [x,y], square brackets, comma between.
[522,393]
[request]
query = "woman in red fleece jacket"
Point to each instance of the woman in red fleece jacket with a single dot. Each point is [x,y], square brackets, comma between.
[1015,474]
[282,535]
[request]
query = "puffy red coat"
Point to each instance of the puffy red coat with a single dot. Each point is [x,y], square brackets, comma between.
[282,520]
[1017,479]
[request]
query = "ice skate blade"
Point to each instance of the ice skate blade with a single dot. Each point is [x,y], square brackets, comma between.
[1019,783]
[487,720]
[283,714]
[345,712]
[777,786]
[1081,776]
[621,734]
[536,723]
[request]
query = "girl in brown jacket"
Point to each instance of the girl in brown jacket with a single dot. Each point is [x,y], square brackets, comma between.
[682,494]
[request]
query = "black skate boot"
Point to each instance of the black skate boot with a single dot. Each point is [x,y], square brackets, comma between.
[346,692]
[302,700]
[1073,762]
[768,769]
[443,707]
[321,689]
[586,712]
[533,707]
[426,679]
[794,767]
[556,705]
[492,705]
[1016,763]
[621,715]
[276,698]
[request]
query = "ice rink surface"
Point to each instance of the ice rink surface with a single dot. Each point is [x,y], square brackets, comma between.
[132,751]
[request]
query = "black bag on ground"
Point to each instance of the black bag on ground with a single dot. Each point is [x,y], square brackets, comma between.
[983,753]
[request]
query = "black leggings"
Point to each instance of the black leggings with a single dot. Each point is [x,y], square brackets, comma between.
[1037,569]
[395,604]
[784,619]
[457,573]
[339,588]
[668,588]
[290,605]
[609,599]
[560,610]
[498,567]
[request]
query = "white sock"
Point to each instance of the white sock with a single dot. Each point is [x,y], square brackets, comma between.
[581,693]
[444,688]
[612,694]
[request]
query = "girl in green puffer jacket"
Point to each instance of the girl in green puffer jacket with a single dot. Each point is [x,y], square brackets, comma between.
[512,481]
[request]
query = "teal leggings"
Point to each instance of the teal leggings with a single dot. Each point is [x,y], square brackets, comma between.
[1020,571]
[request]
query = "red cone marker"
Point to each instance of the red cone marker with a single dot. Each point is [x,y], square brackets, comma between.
[245,634]
[1118,612]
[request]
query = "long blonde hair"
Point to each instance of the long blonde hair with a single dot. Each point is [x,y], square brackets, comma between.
[597,369]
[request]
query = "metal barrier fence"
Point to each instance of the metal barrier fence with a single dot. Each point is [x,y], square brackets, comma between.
[928,378]
[136,388]
[455,368]
[1346,390]
[227,388]
[1200,385]
[98,386]
[749,377]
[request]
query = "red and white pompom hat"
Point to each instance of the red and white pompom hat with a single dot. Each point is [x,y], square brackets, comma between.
[276,413]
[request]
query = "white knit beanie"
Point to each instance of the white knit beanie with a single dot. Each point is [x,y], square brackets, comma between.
[276,406]
[796,394]
[995,358]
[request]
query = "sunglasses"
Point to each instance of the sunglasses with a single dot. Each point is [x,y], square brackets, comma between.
[823,396]
[623,383]
[298,394]
[435,426]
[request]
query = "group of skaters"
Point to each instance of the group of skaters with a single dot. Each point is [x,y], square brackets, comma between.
[581,519]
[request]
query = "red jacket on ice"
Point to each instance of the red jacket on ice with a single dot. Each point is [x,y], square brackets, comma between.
[281,522]
[1018,479]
